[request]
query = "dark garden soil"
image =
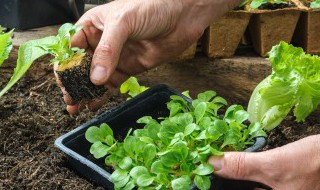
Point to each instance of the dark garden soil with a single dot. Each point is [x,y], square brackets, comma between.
[33,115]
[274,6]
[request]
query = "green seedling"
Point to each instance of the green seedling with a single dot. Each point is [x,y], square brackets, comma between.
[293,84]
[132,87]
[73,63]
[5,45]
[172,152]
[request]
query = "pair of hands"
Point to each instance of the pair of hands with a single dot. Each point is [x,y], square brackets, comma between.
[128,37]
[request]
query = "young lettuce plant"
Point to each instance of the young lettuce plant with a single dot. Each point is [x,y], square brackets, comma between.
[172,152]
[73,63]
[5,45]
[293,84]
[132,87]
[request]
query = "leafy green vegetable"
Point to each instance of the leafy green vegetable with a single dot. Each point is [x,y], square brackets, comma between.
[294,83]
[132,87]
[315,4]
[27,54]
[59,46]
[5,45]
[172,152]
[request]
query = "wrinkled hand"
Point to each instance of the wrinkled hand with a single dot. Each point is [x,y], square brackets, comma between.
[128,37]
[295,166]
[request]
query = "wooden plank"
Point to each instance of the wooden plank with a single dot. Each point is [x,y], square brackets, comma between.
[233,78]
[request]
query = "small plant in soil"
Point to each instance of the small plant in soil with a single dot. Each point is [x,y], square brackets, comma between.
[172,152]
[73,63]
[293,84]
[132,87]
[5,45]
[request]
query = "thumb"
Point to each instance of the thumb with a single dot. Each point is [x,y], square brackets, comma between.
[107,53]
[239,165]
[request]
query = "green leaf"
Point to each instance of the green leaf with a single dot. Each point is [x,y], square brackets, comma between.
[132,87]
[106,129]
[27,54]
[230,114]
[255,4]
[5,45]
[109,140]
[150,152]
[103,134]
[93,134]
[174,108]
[180,184]
[129,144]
[206,96]
[256,130]
[122,183]
[181,150]
[241,116]
[189,129]
[129,186]
[315,4]
[146,120]
[199,111]
[186,93]
[145,180]
[125,163]
[153,130]
[99,150]
[64,30]
[169,159]
[204,169]
[219,100]
[138,171]
[119,175]
[158,167]
[202,182]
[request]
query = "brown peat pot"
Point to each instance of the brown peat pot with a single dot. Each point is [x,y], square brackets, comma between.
[307,34]
[222,37]
[269,27]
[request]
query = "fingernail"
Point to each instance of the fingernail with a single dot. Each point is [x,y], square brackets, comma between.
[217,162]
[98,74]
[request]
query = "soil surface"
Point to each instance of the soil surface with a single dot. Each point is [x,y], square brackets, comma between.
[274,6]
[33,115]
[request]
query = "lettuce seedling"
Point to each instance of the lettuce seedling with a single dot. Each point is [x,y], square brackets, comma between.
[73,63]
[294,83]
[132,87]
[172,152]
[5,45]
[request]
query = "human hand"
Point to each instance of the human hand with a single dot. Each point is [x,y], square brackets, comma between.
[128,37]
[295,166]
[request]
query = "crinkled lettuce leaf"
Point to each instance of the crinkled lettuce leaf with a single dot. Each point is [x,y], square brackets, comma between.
[5,45]
[293,84]
[315,4]
[27,54]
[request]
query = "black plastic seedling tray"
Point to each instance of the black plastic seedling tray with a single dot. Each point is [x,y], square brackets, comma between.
[151,102]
